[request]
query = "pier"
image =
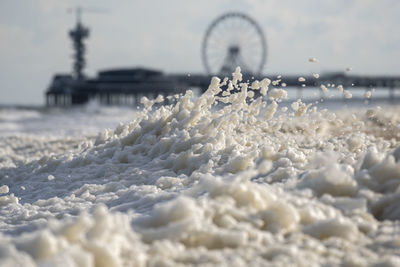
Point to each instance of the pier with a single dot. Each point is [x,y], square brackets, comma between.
[125,86]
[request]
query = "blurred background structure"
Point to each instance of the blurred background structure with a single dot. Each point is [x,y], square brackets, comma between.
[168,36]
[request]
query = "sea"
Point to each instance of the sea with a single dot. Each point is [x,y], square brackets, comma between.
[251,176]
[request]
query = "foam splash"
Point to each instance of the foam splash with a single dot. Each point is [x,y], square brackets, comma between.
[221,179]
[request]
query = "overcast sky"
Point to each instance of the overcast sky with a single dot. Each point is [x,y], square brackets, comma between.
[167,35]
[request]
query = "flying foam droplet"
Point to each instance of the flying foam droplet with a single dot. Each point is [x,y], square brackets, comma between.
[276,82]
[4,189]
[237,76]
[278,94]
[347,94]
[324,89]
[255,85]
[264,86]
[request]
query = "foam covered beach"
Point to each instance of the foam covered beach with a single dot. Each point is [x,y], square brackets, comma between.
[227,178]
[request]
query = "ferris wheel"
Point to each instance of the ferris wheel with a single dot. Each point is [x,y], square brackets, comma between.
[234,39]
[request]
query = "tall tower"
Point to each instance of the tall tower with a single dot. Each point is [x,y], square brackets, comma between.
[78,34]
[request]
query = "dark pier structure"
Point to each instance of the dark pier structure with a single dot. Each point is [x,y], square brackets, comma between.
[111,87]
[126,85]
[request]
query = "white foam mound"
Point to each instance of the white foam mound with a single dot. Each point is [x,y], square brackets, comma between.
[221,179]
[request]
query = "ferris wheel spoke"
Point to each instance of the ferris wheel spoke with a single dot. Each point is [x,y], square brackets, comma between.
[217,47]
[215,56]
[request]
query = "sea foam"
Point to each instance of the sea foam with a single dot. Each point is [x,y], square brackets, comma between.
[221,179]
